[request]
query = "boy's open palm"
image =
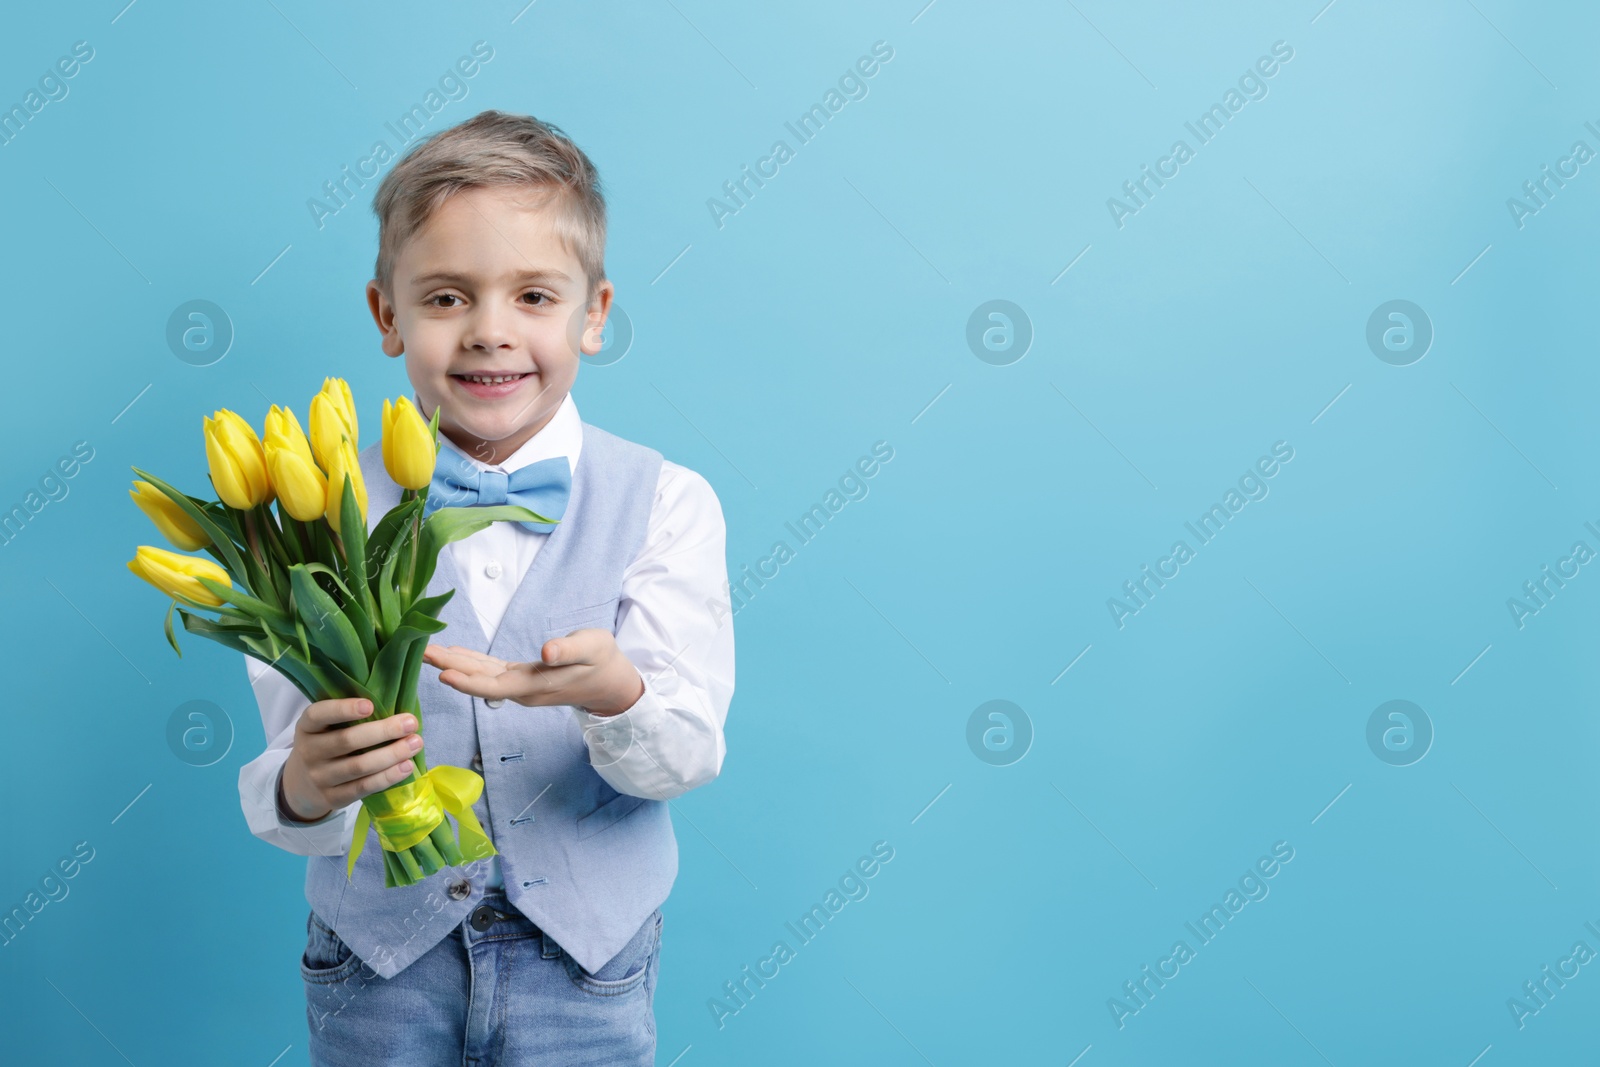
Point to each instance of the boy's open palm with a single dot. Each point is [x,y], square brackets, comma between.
[585,669]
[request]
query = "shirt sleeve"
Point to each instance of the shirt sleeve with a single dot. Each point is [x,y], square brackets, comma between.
[281,705]
[676,627]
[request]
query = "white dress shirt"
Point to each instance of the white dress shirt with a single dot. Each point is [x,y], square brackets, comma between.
[667,743]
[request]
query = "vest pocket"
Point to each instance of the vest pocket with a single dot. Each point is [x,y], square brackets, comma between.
[618,807]
[602,616]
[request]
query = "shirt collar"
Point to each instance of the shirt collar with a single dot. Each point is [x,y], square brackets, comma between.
[561,436]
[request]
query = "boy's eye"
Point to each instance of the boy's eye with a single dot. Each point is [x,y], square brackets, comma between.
[537,299]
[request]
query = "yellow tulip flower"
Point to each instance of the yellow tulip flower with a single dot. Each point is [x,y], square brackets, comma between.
[283,429]
[170,519]
[345,461]
[238,463]
[333,412]
[177,575]
[408,453]
[302,489]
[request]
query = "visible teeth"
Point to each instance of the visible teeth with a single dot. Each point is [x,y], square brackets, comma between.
[480,379]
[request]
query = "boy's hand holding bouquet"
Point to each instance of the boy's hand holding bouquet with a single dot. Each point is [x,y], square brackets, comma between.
[335,609]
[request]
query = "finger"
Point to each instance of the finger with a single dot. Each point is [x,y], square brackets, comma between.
[368,735]
[463,659]
[329,714]
[372,783]
[370,761]
[580,646]
[488,686]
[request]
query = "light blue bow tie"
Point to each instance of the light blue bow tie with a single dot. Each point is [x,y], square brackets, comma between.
[542,487]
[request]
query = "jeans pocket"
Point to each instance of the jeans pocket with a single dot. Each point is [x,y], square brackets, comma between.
[627,970]
[327,958]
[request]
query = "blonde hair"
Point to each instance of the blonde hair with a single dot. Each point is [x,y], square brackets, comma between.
[494,149]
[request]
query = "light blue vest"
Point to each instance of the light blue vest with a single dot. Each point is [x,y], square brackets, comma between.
[584,862]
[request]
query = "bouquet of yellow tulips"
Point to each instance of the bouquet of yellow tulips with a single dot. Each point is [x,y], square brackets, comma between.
[309,591]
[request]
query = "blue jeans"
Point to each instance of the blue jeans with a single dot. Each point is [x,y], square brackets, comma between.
[504,995]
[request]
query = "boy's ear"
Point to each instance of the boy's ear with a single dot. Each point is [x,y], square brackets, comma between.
[594,319]
[382,309]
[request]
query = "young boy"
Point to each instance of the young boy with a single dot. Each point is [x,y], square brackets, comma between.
[583,674]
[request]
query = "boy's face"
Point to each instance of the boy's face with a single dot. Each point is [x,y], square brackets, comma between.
[486,288]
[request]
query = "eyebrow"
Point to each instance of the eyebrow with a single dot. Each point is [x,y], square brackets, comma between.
[453,277]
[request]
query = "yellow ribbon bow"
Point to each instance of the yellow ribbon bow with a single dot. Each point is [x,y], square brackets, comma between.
[407,813]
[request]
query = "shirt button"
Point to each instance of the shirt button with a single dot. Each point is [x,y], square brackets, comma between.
[494,702]
[460,889]
[492,569]
[477,761]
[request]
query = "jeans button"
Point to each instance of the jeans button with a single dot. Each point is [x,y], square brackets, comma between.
[483,917]
[459,889]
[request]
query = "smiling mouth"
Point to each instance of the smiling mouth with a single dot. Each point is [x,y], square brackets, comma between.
[489,379]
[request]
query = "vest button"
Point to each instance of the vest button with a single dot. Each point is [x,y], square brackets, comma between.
[459,889]
[492,569]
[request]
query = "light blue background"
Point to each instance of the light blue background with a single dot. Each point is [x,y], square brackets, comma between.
[1228,314]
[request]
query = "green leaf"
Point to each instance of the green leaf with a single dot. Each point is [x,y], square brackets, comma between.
[423,623]
[291,536]
[322,539]
[298,673]
[330,631]
[204,627]
[340,683]
[352,608]
[408,683]
[395,523]
[353,530]
[452,524]
[388,598]
[249,605]
[272,535]
[389,672]
[172,639]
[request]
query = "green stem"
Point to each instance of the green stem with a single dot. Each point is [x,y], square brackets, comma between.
[305,540]
[427,856]
[413,869]
[411,570]
[444,840]
[251,537]
[394,874]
